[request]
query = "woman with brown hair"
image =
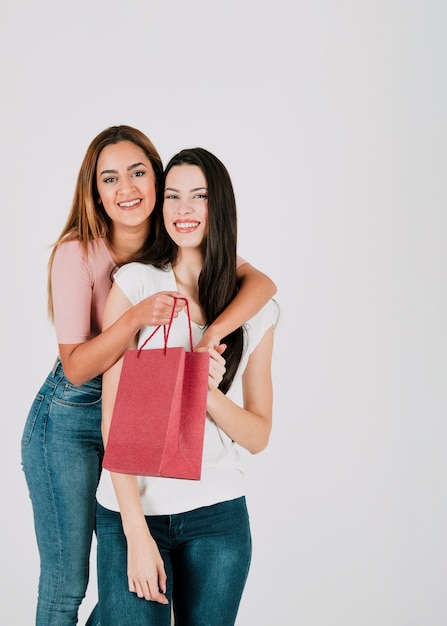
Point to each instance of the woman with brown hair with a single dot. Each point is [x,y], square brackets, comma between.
[119,184]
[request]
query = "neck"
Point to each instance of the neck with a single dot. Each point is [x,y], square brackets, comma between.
[125,244]
[187,270]
[188,266]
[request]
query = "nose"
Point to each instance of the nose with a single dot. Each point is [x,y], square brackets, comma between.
[184,208]
[126,184]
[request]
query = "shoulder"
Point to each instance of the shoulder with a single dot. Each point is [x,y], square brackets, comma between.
[75,249]
[73,258]
[70,248]
[69,262]
[137,271]
[267,316]
[240,261]
[256,327]
[138,280]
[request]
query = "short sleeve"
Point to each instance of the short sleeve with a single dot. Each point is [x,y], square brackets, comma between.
[132,279]
[71,286]
[257,326]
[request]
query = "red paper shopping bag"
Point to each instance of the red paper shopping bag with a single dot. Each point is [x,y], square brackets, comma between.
[186,460]
[158,420]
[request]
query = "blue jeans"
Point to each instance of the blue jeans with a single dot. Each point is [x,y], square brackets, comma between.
[62,454]
[206,553]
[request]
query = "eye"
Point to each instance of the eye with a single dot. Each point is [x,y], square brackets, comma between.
[139,173]
[171,196]
[109,179]
[201,196]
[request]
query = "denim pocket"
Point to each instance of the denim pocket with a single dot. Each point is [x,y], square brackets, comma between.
[32,418]
[86,395]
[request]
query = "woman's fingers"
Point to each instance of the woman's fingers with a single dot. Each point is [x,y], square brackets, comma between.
[148,590]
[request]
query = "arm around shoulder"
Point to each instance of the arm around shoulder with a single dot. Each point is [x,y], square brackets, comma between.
[255,290]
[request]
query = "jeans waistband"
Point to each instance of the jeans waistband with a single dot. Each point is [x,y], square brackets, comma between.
[57,368]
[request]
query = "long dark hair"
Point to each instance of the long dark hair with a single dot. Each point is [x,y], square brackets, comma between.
[217,280]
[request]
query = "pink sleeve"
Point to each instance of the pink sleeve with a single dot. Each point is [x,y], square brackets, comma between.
[240,261]
[72,284]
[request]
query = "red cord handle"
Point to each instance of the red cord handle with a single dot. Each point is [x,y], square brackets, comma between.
[166,331]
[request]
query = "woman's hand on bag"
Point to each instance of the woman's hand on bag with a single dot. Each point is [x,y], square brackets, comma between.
[156,310]
[146,571]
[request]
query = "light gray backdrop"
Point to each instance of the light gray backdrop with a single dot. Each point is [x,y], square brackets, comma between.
[331,118]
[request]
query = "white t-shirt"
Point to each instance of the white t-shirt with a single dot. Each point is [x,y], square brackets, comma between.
[223,465]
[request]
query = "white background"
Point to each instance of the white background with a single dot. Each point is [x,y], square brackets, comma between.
[331,118]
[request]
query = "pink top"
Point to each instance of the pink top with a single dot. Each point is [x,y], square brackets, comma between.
[80,286]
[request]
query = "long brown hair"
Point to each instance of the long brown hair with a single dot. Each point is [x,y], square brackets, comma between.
[218,279]
[87,220]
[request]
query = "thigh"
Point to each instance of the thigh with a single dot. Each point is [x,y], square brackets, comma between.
[117,605]
[211,565]
[61,457]
[73,450]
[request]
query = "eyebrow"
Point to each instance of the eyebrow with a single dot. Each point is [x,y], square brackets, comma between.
[131,167]
[195,189]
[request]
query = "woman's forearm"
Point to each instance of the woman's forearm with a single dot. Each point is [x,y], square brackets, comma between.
[84,361]
[250,425]
[256,289]
[249,429]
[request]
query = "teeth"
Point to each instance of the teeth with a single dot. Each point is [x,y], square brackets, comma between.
[128,204]
[186,224]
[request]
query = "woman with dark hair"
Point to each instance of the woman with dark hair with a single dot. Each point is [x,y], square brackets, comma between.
[119,185]
[166,542]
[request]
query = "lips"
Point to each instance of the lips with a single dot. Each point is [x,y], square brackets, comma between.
[186,226]
[129,204]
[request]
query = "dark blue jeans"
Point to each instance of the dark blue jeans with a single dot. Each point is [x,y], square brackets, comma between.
[62,454]
[206,554]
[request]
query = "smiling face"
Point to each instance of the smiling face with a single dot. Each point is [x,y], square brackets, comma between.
[185,206]
[126,184]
